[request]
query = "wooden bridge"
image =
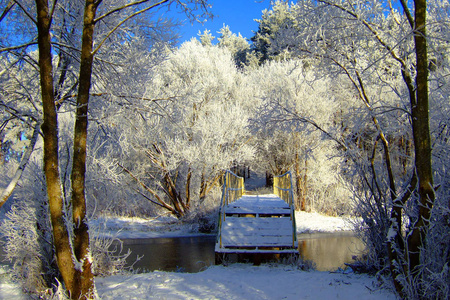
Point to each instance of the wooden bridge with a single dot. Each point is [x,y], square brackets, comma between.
[256,224]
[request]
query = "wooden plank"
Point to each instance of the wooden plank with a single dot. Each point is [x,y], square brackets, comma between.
[256,250]
[275,223]
[265,231]
[257,232]
[247,234]
[270,201]
[257,241]
[258,210]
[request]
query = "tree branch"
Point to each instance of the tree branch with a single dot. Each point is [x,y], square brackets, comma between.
[23,163]
[26,12]
[407,13]
[125,20]
[369,27]
[55,2]
[7,49]
[122,8]
[161,202]
[8,7]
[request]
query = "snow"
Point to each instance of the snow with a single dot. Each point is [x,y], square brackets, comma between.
[315,222]
[236,281]
[139,228]
[8,289]
[168,226]
[242,281]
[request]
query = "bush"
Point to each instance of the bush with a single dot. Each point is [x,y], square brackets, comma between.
[28,244]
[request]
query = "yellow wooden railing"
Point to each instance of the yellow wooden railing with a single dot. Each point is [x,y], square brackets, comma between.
[233,189]
[282,187]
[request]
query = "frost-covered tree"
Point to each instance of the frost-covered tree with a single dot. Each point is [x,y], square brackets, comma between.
[383,55]
[236,44]
[280,16]
[191,127]
[285,91]
[206,38]
[20,118]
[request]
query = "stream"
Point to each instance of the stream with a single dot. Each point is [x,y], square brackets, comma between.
[328,251]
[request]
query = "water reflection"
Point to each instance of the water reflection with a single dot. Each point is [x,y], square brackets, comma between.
[192,254]
[181,254]
[329,251]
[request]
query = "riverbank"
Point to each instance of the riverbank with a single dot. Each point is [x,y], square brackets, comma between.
[168,226]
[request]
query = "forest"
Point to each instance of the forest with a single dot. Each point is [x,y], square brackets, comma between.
[103,113]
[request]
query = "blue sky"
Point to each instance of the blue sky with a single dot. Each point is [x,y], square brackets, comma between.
[239,15]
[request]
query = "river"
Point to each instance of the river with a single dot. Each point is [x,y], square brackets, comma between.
[328,251]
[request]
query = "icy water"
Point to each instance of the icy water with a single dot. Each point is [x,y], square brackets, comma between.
[328,251]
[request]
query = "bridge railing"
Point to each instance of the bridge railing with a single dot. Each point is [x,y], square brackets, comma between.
[282,187]
[233,189]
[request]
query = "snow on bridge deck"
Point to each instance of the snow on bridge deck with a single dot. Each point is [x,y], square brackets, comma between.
[257,224]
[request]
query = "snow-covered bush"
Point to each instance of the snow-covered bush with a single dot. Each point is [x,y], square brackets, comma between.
[28,246]
[109,258]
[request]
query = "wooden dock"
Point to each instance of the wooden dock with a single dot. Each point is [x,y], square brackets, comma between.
[257,224]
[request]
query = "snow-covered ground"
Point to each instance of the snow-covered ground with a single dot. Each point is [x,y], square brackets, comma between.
[236,281]
[139,228]
[242,281]
[315,222]
[135,228]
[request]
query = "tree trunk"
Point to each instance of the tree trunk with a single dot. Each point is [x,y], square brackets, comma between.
[85,285]
[206,185]
[23,163]
[305,186]
[298,184]
[51,164]
[422,140]
[188,187]
[203,184]
[396,245]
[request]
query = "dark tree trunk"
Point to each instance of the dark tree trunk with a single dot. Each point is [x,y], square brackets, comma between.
[51,163]
[85,285]
[422,140]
